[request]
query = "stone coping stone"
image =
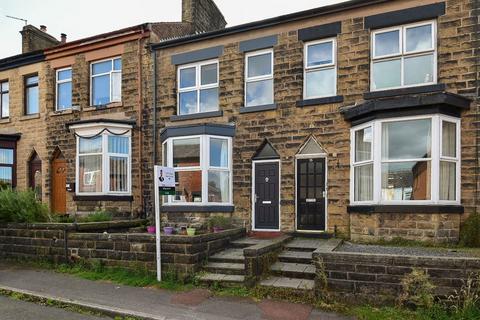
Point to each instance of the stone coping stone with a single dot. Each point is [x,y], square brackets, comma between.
[266,246]
[328,246]
[115,224]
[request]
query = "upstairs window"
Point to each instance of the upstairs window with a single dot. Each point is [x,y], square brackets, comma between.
[106,81]
[4,100]
[198,88]
[259,78]
[31,95]
[320,70]
[64,89]
[404,56]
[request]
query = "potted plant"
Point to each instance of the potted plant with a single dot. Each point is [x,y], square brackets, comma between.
[191,231]
[219,223]
[168,230]
[151,229]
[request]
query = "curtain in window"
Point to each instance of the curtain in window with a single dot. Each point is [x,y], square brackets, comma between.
[449,139]
[447,180]
[118,174]
[363,183]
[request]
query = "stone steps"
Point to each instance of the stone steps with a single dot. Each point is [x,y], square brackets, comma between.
[291,256]
[225,268]
[245,242]
[289,283]
[224,279]
[293,270]
[233,255]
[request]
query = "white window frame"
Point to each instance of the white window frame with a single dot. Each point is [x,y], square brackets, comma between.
[436,144]
[198,83]
[93,130]
[328,66]
[403,54]
[4,93]
[58,83]
[203,168]
[258,78]
[112,71]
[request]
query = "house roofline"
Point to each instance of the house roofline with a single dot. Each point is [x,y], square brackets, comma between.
[22,60]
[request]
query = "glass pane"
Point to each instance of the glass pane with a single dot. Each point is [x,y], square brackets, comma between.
[320,54]
[64,75]
[320,83]
[101,67]
[218,186]
[260,65]
[117,144]
[448,172]
[187,77]
[4,86]
[116,86]
[406,180]
[32,80]
[93,145]
[218,153]
[419,38]
[363,144]
[101,90]
[6,156]
[90,173]
[117,64]
[186,152]
[449,139]
[387,43]
[32,100]
[209,74]
[6,177]
[209,100]
[118,174]
[188,186]
[363,183]
[259,93]
[188,102]
[64,92]
[5,104]
[165,154]
[409,139]
[387,74]
[419,70]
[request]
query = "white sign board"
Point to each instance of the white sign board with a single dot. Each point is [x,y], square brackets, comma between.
[166,177]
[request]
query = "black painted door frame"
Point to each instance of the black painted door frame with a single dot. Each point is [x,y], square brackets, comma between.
[322,196]
[266,204]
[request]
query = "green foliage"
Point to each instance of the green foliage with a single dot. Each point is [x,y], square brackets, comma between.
[220,222]
[417,289]
[384,313]
[470,231]
[22,206]
[97,216]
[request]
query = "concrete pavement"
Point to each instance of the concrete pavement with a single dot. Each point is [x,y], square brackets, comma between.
[148,303]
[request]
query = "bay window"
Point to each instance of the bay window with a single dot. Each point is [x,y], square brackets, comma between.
[406,161]
[202,167]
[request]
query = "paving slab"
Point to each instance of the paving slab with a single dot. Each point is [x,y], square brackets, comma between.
[226,265]
[222,277]
[248,241]
[296,255]
[234,255]
[311,244]
[191,298]
[276,310]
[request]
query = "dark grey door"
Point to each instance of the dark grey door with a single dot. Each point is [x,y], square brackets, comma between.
[266,195]
[311,194]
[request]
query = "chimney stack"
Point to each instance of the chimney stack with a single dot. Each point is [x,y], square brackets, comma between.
[43,28]
[63,38]
[36,39]
[203,15]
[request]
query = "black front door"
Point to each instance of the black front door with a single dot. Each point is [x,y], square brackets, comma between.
[311,194]
[266,195]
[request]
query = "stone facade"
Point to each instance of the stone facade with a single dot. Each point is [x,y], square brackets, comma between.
[288,127]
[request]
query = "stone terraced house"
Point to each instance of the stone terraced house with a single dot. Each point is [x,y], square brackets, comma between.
[359,117]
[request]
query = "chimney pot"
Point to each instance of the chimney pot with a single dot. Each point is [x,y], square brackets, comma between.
[63,38]
[43,28]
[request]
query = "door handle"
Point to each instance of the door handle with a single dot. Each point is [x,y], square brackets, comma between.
[256,198]
[324,194]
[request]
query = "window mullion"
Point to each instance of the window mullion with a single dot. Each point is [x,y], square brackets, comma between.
[435,162]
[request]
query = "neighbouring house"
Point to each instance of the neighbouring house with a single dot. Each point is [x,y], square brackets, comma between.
[76,113]
[359,117]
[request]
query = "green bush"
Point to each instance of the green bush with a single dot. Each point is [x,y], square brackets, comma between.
[22,206]
[220,222]
[470,231]
[417,290]
[97,216]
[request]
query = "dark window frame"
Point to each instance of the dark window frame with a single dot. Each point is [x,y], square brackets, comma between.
[25,90]
[2,93]
[10,145]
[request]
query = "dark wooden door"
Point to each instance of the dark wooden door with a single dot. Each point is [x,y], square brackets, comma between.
[311,194]
[59,181]
[266,195]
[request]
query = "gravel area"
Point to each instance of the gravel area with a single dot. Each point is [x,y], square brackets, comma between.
[403,251]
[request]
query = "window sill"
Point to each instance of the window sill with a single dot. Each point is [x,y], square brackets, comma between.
[402,91]
[318,101]
[104,197]
[197,208]
[104,106]
[266,107]
[30,117]
[62,112]
[5,120]
[433,208]
[201,115]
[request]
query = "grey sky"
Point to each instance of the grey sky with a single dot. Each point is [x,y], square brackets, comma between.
[79,19]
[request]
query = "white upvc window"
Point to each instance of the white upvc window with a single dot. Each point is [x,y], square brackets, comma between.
[411,160]
[4,100]
[198,87]
[106,81]
[203,169]
[404,56]
[320,74]
[103,164]
[259,78]
[63,89]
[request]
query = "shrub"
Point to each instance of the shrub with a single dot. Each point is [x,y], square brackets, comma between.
[469,233]
[417,290]
[97,216]
[220,222]
[22,206]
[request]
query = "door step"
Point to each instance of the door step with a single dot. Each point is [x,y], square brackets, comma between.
[225,268]
[229,256]
[293,270]
[290,283]
[224,279]
[296,256]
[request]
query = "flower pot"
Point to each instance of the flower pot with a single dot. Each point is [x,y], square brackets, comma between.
[168,230]
[217,229]
[191,231]
[151,229]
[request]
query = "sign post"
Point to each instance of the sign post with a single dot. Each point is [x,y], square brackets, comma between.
[164,185]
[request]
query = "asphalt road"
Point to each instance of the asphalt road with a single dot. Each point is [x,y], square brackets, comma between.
[11,309]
